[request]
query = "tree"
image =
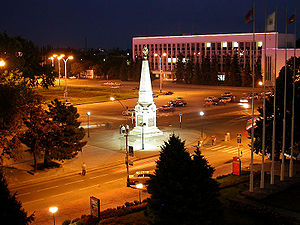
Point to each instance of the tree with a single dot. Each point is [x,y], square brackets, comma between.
[235,71]
[247,77]
[11,210]
[25,57]
[66,141]
[279,114]
[257,70]
[189,71]
[214,71]
[182,190]
[197,76]
[180,68]
[124,71]
[228,76]
[205,70]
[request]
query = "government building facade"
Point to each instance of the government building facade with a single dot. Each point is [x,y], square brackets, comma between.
[197,47]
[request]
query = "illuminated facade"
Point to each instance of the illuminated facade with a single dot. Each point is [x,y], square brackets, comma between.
[196,47]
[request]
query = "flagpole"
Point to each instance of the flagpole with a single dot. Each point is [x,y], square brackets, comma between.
[252,104]
[284,107]
[274,105]
[293,105]
[262,174]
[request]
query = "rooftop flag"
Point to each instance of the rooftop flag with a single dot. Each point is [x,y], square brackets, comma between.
[292,19]
[249,17]
[271,22]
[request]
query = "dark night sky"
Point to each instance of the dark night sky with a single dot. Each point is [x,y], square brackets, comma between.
[113,23]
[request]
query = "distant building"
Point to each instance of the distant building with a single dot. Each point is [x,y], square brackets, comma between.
[219,45]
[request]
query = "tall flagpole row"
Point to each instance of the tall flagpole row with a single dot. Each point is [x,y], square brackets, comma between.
[284,105]
[293,104]
[252,105]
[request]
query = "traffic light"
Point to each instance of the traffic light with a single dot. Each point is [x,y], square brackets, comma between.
[130,151]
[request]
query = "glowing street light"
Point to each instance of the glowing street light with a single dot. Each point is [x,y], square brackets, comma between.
[201,113]
[59,58]
[140,187]
[52,60]
[88,126]
[260,83]
[66,87]
[53,210]
[160,69]
[2,63]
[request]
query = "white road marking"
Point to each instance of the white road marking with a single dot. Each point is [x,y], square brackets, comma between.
[27,193]
[89,187]
[41,199]
[61,194]
[77,181]
[46,188]
[113,181]
[102,175]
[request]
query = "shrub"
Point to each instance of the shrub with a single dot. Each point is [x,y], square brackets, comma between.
[66,222]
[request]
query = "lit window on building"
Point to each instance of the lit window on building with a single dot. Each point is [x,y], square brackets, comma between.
[235,44]
[208,44]
[224,44]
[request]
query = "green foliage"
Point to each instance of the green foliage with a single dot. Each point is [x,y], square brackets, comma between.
[279,114]
[235,71]
[180,68]
[182,189]
[11,211]
[23,56]
[65,142]
[66,222]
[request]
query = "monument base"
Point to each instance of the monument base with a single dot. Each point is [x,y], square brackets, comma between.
[148,131]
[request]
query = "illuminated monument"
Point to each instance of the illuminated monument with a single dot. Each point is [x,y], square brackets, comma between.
[145,110]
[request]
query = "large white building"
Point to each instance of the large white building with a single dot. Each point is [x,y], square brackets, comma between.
[219,45]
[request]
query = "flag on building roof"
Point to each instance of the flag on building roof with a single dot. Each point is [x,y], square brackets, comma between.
[271,22]
[249,17]
[292,19]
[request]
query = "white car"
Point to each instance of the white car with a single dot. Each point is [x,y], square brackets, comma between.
[210,98]
[244,100]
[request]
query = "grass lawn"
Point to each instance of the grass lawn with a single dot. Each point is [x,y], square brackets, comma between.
[83,95]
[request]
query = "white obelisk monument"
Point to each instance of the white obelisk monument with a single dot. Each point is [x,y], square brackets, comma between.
[145,110]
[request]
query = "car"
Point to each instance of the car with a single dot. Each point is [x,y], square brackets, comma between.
[225,99]
[155,95]
[209,98]
[73,77]
[140,177]
[68,104]
[177,103]
[219,101]
[179,98]
[208,102]
[226,94]
[128,112]
[166,108]
[168,93]
[244,100]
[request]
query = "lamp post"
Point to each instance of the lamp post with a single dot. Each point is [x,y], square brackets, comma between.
[52,60]
[201,113]
[59,58]
[143,124]
[88,126]
[53,210]
[160,70]
[66,87]
[140,187]
[113,99]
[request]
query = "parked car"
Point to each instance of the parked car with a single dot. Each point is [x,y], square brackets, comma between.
[219,101]
[226,94]
[244,100]
[209,98]
[166,108]
[68,104]
[168,93]
[140,177]
[177,103]
[225,99]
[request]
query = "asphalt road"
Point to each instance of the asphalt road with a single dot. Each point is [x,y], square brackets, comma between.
[217,121]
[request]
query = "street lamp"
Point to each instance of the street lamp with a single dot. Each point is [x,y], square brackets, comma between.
[201,113]
[160,70]
[66,88]
[59,58]
[2,63]
[113,99]
[52,60]
[53,210]
[140,187]
[142,124]
[88,126]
